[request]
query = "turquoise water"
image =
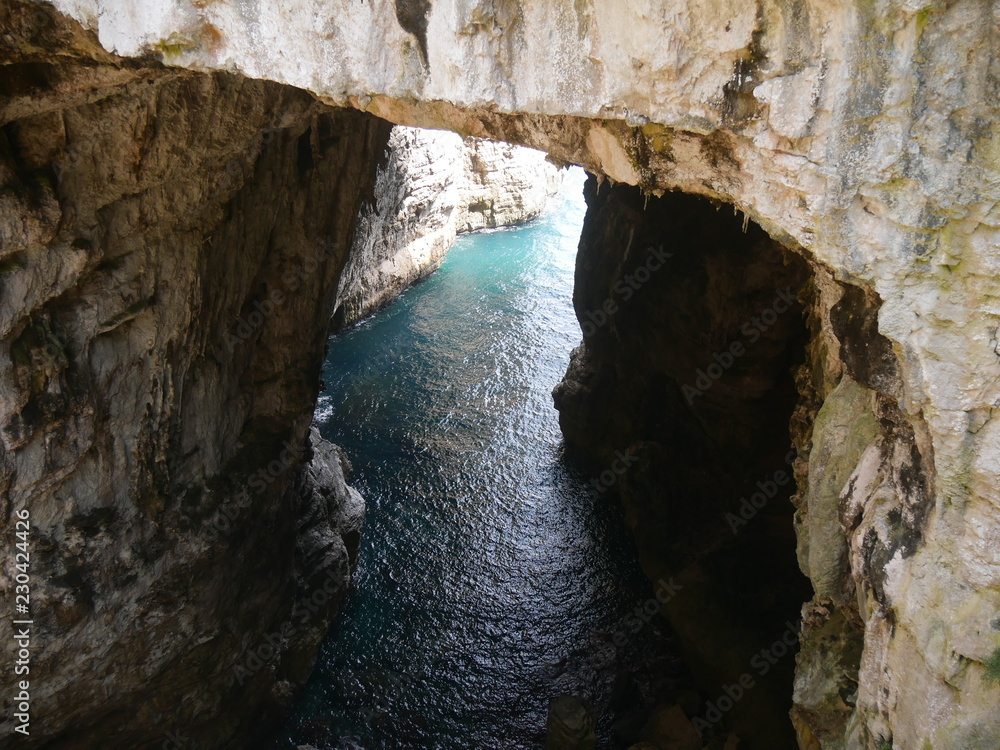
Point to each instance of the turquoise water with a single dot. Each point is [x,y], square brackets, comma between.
[491,576]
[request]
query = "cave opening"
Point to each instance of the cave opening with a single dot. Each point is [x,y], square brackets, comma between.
[677,405]
[493,576]
[179,195]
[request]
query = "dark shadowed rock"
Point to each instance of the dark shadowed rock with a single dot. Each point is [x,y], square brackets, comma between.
[570,724]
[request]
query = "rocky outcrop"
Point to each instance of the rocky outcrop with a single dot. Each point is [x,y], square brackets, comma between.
[861,136]
[505,185]
[680,396]
[704,340]
[161,336]
[433,186]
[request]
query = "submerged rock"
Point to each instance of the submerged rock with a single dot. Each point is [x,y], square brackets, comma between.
[669,729]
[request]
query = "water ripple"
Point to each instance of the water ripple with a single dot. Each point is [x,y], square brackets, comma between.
[489,569]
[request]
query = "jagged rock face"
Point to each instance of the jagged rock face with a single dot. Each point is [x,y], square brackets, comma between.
[703,341]
[433,186]
[505,185]
[864,134]
[684,387]
[161,338]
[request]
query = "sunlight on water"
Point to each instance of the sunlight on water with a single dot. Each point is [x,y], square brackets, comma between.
[491,576]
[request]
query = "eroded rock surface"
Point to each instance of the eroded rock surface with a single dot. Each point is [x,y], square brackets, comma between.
[162,330]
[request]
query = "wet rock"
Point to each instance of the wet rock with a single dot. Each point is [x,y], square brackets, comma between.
[570,725]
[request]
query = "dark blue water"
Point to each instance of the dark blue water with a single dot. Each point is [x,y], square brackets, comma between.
[492,577]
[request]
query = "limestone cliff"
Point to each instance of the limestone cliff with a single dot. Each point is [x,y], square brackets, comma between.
[433,186]
[862,137]
[161,336]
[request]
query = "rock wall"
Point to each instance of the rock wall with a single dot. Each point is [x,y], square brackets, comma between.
[717,366]
[162,331]
[863,136]
[680,396]
[433,186]
[506,185]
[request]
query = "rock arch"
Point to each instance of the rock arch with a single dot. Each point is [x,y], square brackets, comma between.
[863,135]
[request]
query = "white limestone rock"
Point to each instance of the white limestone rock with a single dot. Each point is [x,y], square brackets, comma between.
[434,186]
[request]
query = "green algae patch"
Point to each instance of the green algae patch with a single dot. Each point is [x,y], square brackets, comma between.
[992,665]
